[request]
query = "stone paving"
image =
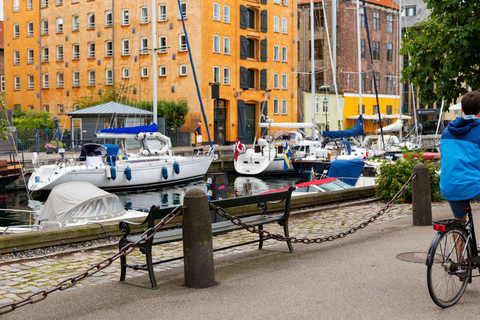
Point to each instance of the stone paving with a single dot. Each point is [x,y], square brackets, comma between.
[21,278]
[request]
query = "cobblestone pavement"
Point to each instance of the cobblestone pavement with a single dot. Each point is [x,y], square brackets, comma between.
[20,278]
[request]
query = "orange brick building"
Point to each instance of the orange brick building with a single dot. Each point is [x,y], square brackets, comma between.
[57,51]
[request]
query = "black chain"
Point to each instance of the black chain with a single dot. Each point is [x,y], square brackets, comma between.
[70,282]
[235,220]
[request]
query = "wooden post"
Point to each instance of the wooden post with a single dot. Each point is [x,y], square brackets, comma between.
[421,196]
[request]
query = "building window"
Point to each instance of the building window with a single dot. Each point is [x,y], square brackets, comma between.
[91,50]
[284,54]
[125,73]
[31,107]
[60,81]
[162,44]
[285,3]
[109,77]
[362,48]
[216,44]
[276,107]
[16,83]
[144,45]
[389,86]
[2,83]
[16,31]
[216,11]
[143,15]
[284,81]
[29,29]
[276,24]
[108,19]
[284,106]
[183,5]
[276,81]
[60,53]
[91,77]
[226,14]
[182,43]
[125,47]
[46,81]
[44,27]
[183,69]
[76,79]
[284,25]
[59,25]
[75,51]
[216,74]
[318,47]
[16,57]
[409,11]
[45,57]
[376,50]
[252,48]
[16,6]
[226,45]
[162,12]
[30,56]
[108,49]
[46,108]
[125,17]
[377,81]
[276,53]
[59,3]
[44,3]
[144,72]
[389,52]
[251,18]
[75,23]
[29,4]
[389,23]
[91,21]
[226,76]
[76,106]
[162,71]
[60,109]
[376,20]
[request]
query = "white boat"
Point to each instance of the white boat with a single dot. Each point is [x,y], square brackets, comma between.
[108,167]
[267,156]
[74,204]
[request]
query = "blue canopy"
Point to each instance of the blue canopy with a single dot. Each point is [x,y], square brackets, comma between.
[347,171]
[133,130]
[90,149]
[357,130]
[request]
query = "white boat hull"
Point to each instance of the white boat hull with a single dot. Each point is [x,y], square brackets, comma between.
[251,163]
[145,172]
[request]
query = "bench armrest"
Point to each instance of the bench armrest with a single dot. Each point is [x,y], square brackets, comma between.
[124,226]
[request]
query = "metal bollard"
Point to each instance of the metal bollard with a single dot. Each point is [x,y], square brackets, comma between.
[197,241]
[421,196]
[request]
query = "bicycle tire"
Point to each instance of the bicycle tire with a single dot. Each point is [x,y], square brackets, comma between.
[444,280]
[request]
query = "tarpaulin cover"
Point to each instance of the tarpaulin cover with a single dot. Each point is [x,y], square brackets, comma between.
[357,130]
[347,171]
[133,130]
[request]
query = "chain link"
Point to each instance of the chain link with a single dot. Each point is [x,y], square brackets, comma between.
[70,282]
[235,220]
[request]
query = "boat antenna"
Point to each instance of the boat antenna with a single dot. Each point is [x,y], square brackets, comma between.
[194,73]
[312,74]
[154,62]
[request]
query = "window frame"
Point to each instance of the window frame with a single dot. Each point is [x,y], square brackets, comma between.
[76,79]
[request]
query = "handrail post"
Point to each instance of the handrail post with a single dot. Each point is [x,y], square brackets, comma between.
[421,196]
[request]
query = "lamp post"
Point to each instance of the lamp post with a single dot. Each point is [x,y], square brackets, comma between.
[325,110]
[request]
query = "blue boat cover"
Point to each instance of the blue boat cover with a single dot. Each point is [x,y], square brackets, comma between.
[348,145]
[357,130]
[90,149]
[133,130]
[347,171]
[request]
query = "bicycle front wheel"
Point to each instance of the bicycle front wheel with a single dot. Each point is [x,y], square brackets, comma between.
[448,275]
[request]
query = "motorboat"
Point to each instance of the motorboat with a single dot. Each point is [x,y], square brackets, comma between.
[269,154]
[74,204]
[111,167]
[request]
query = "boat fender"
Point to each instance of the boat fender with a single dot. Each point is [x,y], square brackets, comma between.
[176,167]
[35,159]
[128,173]
[164,173]
[108,173]
[298,139]
[209,182]
[209,195]
[113,173]
[141,135]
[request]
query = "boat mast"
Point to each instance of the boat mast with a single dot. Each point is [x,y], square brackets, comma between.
[399,88]
[312,75]
[359,53]
[154,62]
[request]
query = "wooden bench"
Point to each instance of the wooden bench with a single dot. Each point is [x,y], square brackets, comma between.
[263,202]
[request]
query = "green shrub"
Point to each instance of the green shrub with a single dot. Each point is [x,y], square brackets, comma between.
[393,176]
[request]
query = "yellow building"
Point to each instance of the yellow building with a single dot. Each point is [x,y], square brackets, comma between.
[327,110]
[57,51]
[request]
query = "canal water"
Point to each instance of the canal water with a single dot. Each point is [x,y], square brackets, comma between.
[145,198]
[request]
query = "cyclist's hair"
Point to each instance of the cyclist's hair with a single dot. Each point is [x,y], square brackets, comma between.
[471,103]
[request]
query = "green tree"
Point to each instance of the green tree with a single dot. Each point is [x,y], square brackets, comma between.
[175,113]
[3,118]
[444,51]
[95,97]
[33,120]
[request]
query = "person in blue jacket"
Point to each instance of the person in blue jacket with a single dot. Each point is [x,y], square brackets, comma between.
[460,151]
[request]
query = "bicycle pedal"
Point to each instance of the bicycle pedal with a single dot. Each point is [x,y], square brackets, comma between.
[474,260]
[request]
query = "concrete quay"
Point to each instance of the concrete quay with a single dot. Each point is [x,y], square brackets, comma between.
[356,277]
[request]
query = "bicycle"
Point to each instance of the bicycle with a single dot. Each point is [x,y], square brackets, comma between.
[451,259]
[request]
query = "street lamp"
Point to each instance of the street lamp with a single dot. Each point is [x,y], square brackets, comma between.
[325,111]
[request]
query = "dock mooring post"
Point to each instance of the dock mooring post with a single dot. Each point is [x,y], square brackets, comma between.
[197,241]
[421,196]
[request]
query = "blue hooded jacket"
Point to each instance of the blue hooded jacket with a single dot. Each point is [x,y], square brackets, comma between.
[460,150]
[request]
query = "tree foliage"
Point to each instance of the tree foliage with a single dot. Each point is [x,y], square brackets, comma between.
[33,120]
[3,118]
[95,97]
[444,51]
